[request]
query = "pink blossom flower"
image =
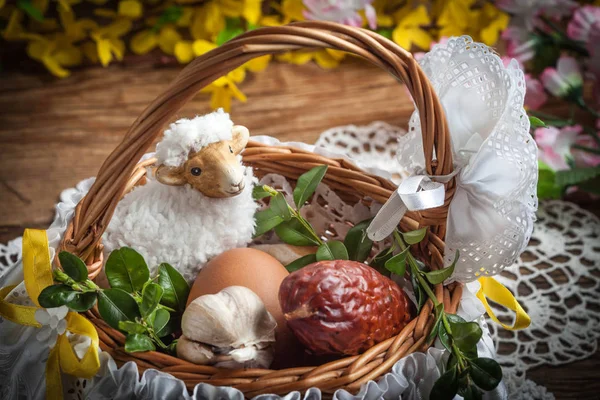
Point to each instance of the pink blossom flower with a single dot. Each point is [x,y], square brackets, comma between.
[564,79]
[526,12]
[342,11]
[585,20]
[535,96]
[521,45]
[555,145]
[584,158]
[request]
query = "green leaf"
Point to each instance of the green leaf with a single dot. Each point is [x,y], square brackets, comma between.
[414,237]
[260,192]
[332,250]
[420,295]
[82,301]
[301,262]
[161,319]
[280,207]
[172,325]
[452,361]
[378,262]
[535,122]
[73,266]
[439,311]
[446,387]
[233,28]
[465,334]
[547,187]
[132,327]
[486,373]
[266,220]
[126,269]
[385,32]
[444,337]
[397,264]
[294,233]
[28,8]
[439,276]
[151,296]
[172,348]
[575,176]
[175,288]
[357,242]
[116,305]
[170,15]
[472,393]
[307,184]
[56,296]
[138,342]
[455,319]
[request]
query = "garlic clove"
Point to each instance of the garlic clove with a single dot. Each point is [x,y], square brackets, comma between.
[233,318]
[244,354]
[248,357]
[194,352]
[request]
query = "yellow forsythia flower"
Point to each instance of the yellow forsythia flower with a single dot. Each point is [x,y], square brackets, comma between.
[291,10]
[461,17]
[55,54]
[258,64]
[325,58]
[456,17]
[410,31]
[209,19]
[498,21]
[130,9]
[252,11]
[207,22]
[76,30]
[146,40]
[108,42]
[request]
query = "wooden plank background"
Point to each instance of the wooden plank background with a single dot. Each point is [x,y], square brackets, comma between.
[54,133]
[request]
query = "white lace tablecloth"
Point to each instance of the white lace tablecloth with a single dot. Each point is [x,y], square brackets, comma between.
[555,280]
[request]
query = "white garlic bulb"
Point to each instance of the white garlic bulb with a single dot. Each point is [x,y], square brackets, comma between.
[230,329]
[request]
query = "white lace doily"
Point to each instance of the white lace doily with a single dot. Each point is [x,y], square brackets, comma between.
[556,278]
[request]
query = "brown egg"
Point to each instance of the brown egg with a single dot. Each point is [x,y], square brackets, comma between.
[259,272]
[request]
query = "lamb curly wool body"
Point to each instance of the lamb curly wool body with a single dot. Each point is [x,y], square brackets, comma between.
[181,226]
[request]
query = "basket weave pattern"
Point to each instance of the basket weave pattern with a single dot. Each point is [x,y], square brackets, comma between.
[121,172]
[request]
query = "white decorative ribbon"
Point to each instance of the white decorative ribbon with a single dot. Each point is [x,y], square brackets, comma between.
[415,193]
[490,217]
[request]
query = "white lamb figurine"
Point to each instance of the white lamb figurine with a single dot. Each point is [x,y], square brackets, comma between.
[200,202]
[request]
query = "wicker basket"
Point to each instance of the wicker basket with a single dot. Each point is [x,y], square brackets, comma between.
[121,172]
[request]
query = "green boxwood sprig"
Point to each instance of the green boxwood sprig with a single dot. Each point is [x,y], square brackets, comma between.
[147,309]
[466,373]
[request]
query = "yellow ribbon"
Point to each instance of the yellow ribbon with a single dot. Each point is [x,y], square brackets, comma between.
[37,272]
[498,293]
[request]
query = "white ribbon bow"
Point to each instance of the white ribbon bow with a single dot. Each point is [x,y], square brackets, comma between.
[415,193]
[490,217]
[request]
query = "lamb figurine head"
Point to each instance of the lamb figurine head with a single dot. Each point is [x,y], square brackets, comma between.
[204,153]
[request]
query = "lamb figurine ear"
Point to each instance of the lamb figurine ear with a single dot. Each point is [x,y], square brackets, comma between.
[170,175]
[239,138]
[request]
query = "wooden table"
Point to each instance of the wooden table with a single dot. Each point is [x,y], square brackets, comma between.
[54,133]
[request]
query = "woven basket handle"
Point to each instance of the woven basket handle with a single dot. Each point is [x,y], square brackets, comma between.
[93,213]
